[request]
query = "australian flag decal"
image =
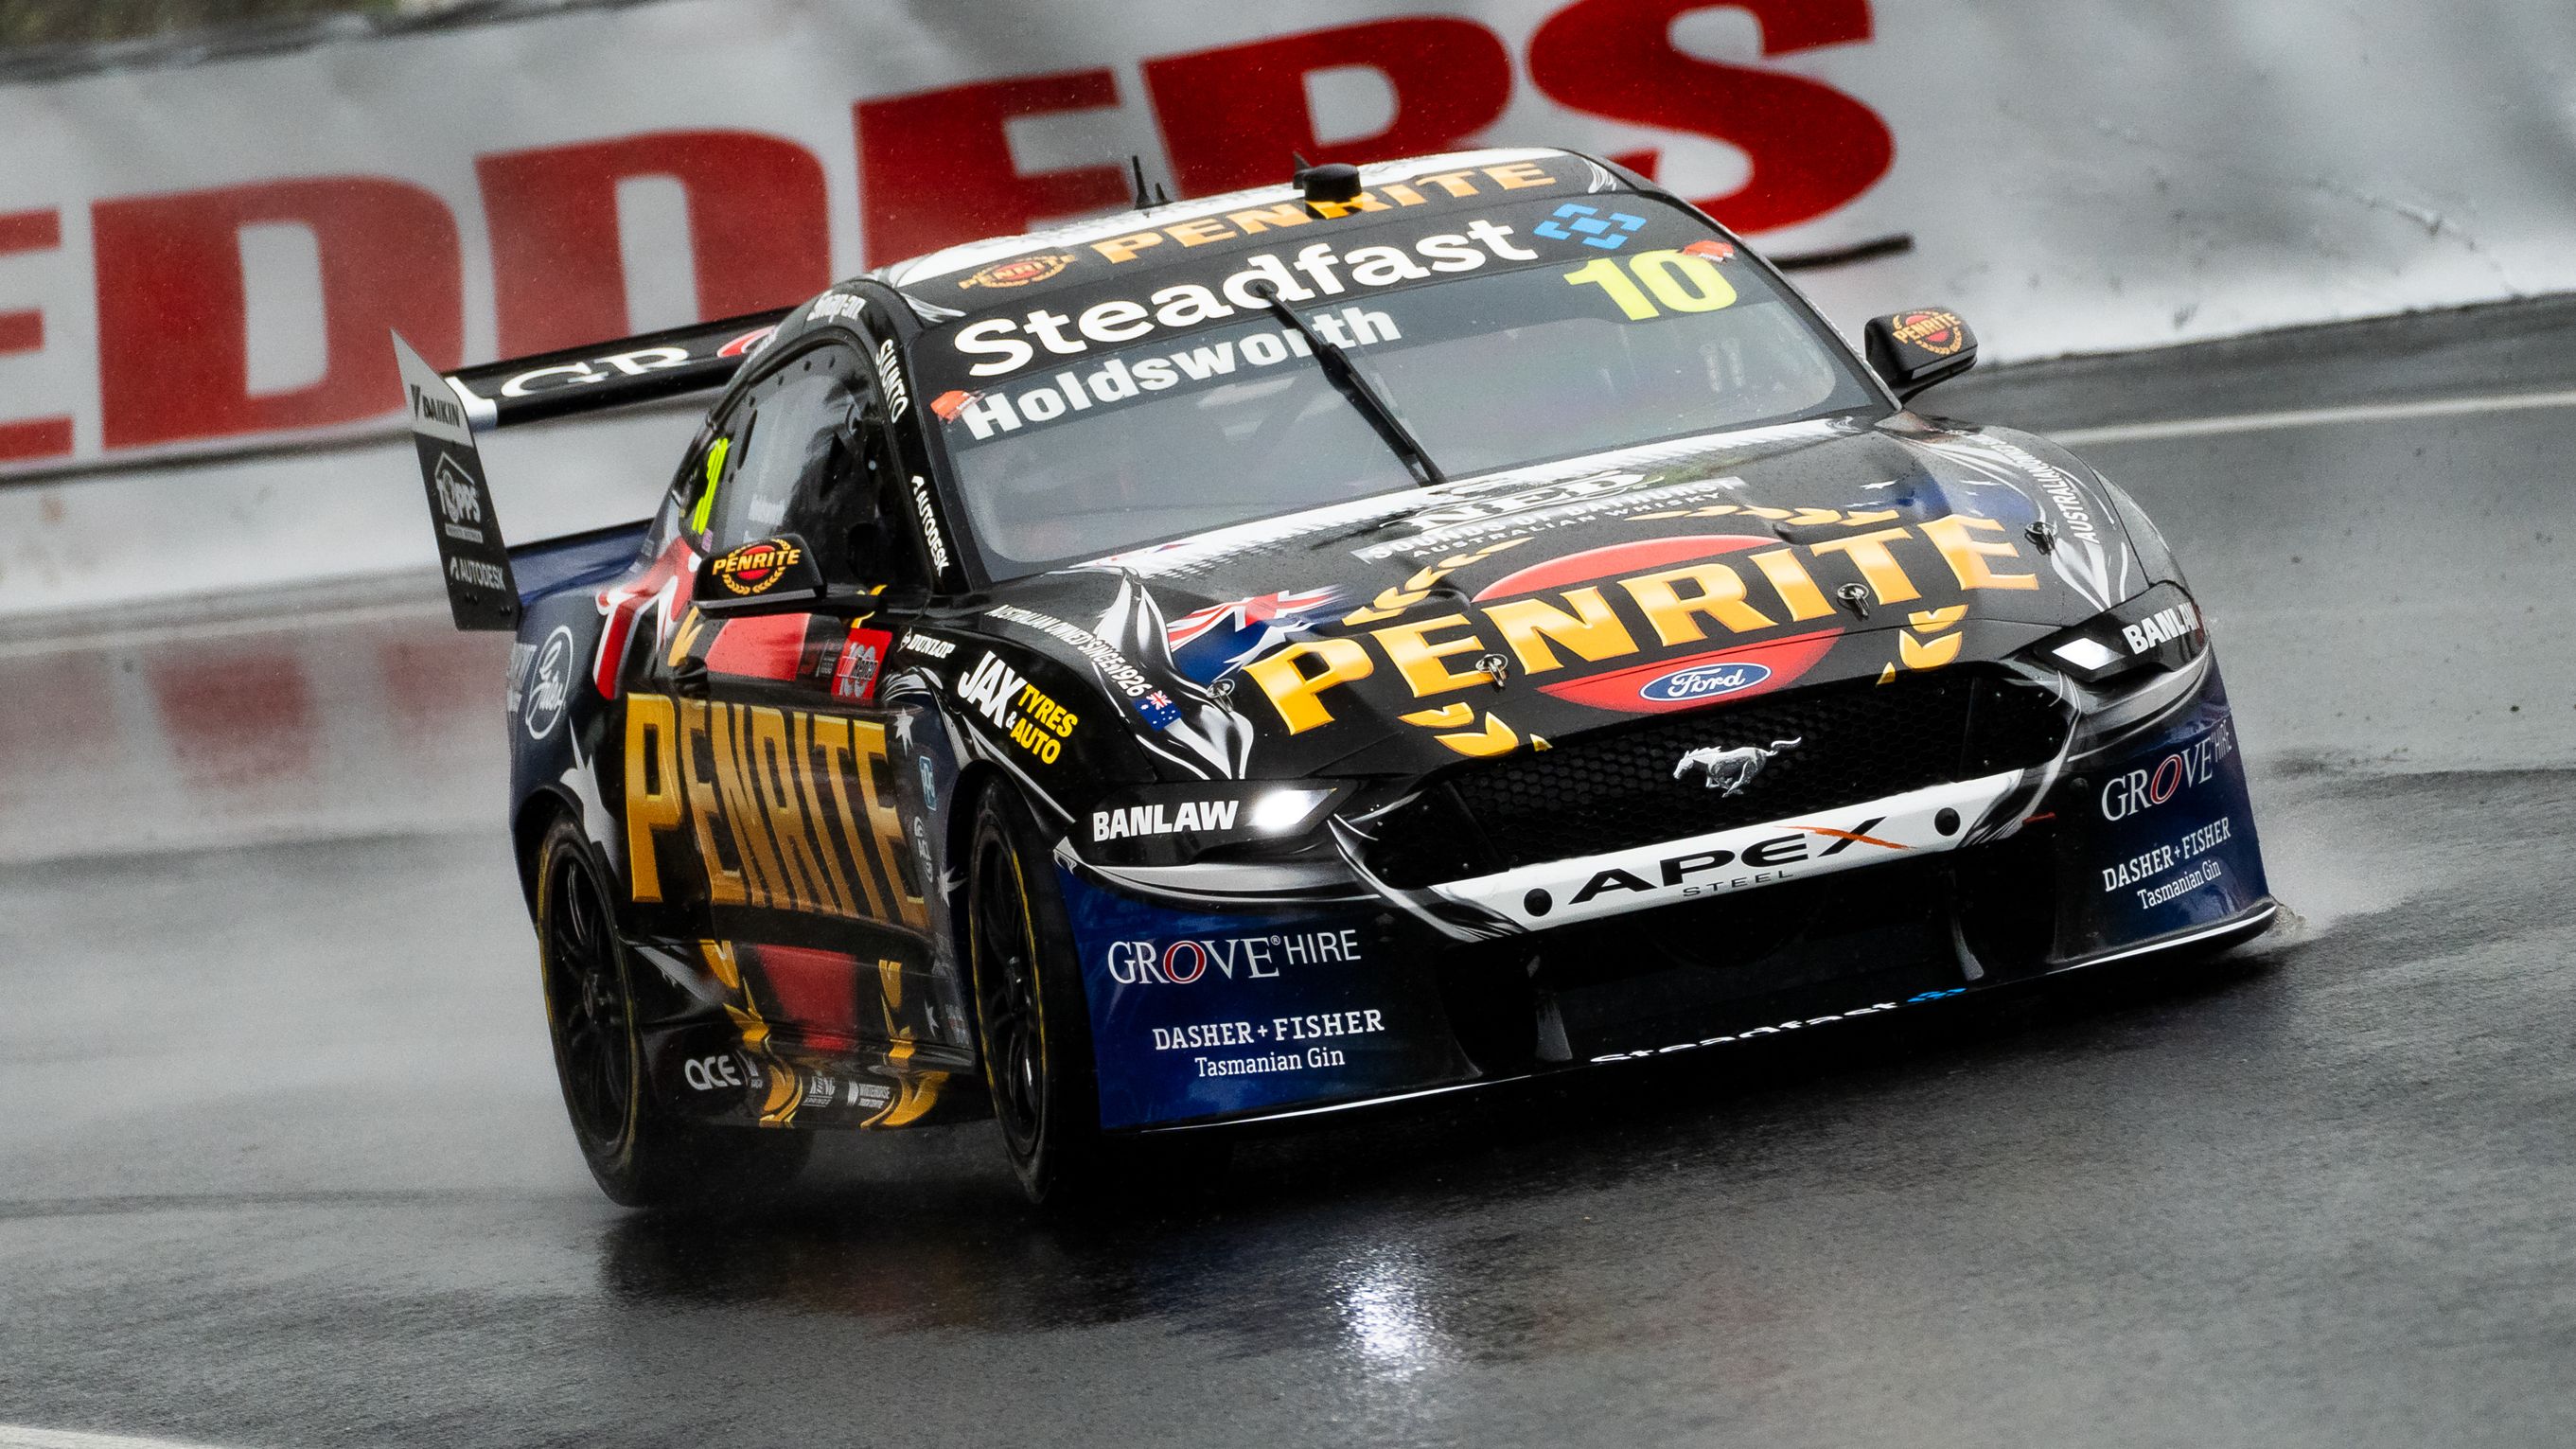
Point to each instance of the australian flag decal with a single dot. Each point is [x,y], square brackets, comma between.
[1222,637]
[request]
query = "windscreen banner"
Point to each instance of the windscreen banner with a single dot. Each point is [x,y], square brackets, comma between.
[200,263]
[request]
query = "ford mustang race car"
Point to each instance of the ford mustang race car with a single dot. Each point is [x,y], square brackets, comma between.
[1423,626]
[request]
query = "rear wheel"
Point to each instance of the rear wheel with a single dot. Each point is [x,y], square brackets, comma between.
[641,1155]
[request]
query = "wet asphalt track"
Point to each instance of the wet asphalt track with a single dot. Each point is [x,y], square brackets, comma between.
[282,1162]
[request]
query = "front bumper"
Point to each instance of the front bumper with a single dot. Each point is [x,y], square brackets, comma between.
[1351,991]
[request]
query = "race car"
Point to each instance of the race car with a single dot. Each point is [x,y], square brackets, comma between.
[1419,627]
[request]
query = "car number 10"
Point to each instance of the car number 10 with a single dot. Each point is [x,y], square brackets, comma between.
[1680,281]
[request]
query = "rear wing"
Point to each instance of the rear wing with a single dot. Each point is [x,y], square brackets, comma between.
[446,410]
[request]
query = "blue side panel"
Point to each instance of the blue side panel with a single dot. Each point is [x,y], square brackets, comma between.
[2165,835]
[1203,1015]
[557,564]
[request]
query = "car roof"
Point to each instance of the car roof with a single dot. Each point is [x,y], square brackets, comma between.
[969,256]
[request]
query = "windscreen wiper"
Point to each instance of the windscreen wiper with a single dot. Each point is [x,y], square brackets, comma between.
[1349,381]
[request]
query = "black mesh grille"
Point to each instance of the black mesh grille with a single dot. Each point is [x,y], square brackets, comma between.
[1615,789]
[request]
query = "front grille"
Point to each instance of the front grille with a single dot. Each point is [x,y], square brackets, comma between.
[1615,789]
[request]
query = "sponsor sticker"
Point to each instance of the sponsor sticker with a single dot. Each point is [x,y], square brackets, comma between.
[549,685]
[1191,960]
[1702,681]
[1025,714]
[1938,333]
[754,568]
[2134,792]
[1019,272]
[863,654]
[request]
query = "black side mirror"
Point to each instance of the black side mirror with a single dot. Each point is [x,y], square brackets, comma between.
[1913,350]
[768,576]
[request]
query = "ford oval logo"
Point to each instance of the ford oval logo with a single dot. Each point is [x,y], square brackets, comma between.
[1703,681]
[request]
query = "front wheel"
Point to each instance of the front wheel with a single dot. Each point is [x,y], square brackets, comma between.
[641,1155]
[1031,1020]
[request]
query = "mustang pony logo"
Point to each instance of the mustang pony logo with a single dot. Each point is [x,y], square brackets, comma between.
[1728,770]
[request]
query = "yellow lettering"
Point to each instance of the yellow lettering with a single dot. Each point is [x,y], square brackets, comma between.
[1292,691]
[773,777]
[1868,553]
[1791,581]
[1362,202]
[868,756]
[742,815]
[1415,657]
[1404,195]
[1125,248]
[652,804]
[1262,218]
[1716,590]
[1967,556]
[832,751]
[725,885]
[1198,233]
[1591,631]
[1519,174]
[1456,183]
[842,901]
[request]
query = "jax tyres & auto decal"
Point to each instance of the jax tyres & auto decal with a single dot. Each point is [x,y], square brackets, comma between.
[641,1155]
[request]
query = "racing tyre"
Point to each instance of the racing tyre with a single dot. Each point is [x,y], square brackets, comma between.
[641,1154]
[1030,1018]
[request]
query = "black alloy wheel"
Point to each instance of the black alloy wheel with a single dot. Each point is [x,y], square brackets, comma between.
[640,1152]
[586,998]
[1032,1022]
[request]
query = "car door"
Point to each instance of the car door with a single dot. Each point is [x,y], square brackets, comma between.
[814,900]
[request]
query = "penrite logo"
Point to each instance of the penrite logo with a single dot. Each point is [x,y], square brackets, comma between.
[1019,273]
[1938,333]
[754,568]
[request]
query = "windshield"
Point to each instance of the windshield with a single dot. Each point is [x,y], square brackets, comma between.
[1516,338]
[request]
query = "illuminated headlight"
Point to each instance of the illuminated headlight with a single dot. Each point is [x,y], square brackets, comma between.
[1284,811]
[2159,630]
[1176,824]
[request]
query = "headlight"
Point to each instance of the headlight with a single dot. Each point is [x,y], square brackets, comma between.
[1176,824]
[2159,630]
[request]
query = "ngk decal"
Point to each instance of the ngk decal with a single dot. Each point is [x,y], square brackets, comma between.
[2131,792]
[1250,958]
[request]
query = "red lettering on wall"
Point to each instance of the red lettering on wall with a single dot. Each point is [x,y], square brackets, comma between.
[172,346]
[30,231]
[1812,147]
[1231,116]
[759,230]
[935,167]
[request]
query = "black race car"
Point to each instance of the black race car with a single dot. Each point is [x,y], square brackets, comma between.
[1415,628]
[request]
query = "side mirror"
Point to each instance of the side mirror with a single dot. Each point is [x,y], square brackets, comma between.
[1913,350]
[768,576]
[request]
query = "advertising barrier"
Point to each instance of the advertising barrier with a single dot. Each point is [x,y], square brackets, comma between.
[199,264]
